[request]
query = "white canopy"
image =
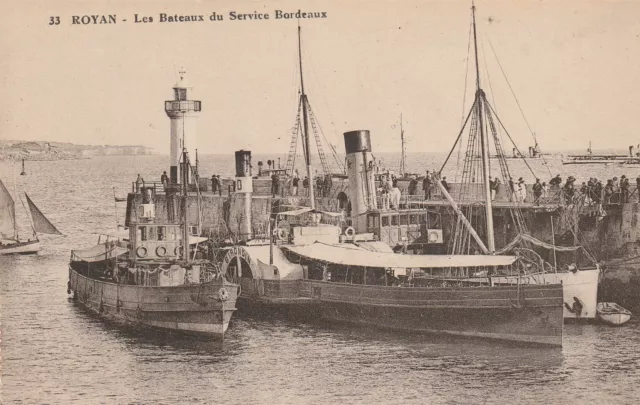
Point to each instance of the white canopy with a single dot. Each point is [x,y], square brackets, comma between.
[196,239]
[303,210]
[98,253]
[351,255]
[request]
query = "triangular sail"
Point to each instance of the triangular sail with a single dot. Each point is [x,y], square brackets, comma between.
[40,223]
[7,214]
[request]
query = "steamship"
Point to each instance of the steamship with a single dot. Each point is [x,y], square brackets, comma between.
[156,278]
[306,266]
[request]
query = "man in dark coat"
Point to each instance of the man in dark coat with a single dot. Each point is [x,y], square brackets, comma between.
[214,184]
[537,191]
[426,186]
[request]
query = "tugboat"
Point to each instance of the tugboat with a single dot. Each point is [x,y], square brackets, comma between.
[154,280]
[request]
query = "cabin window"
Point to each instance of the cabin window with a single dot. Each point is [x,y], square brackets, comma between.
[404,219]
[151,233]
[181,94]
[394,220]
[143,233]
[162,233]
[385,221]
[372,221]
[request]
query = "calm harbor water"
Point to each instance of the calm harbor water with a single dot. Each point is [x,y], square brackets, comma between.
[53,352]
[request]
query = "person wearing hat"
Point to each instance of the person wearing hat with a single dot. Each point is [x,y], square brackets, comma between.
[537,191]
[608,191]
[556,181]
[512,189]
[445,184]
[426,186]
[494,185]
[624,189]
[522,190]
[569,190]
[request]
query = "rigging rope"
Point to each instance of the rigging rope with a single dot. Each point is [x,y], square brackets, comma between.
[533,135]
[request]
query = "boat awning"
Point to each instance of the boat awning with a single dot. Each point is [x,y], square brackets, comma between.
[295,213]
[196,239]
[98,253]
[304,210]
[352,255]
[120,234]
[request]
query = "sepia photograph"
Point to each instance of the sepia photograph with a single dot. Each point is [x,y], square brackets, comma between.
[320,202]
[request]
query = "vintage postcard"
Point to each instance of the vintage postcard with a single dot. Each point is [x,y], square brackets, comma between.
[319,202]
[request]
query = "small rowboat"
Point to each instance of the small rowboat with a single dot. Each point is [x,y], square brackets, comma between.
[612,313]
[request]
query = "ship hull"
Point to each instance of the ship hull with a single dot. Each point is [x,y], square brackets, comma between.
[21,248]
[192,309]
[525,314]
[580,292]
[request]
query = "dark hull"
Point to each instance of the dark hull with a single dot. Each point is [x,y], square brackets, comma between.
[527,314]
[276,298]
[193,309]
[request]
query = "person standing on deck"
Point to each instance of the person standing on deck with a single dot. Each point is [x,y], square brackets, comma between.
[522,190]
[495,189]
[320,186]
[624,189]
[545,191]
[597,192]
[164,179]
[214,184]
[305,185]
[445,184]
[512,189]
[139,183]
[413,186]
[537,191]
[426,186]
[219,184]
[328,184]
[608,191]
[616,184]
[569,190]
[294,185]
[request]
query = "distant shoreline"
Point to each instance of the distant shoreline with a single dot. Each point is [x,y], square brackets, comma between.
[12,150]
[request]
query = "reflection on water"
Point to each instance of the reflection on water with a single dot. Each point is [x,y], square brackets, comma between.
[55,352]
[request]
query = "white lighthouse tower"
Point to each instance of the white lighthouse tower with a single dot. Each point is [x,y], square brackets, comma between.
[183,114]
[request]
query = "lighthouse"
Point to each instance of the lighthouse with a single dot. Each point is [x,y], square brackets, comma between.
[183,113]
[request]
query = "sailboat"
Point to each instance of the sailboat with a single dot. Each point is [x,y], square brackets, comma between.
[11,243]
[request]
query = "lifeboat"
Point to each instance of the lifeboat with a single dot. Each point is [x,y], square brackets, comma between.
[612,314]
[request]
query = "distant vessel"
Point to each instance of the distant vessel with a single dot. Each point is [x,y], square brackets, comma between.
[613,314]
[591,159]
[11,243]
[154,279]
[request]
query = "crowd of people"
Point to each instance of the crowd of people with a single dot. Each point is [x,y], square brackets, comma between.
[593,191]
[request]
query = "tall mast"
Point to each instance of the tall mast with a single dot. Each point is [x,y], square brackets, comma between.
[484,143]
[185,189]
[403,158]
[305,122]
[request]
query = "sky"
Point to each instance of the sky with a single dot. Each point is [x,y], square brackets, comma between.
[573,66]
